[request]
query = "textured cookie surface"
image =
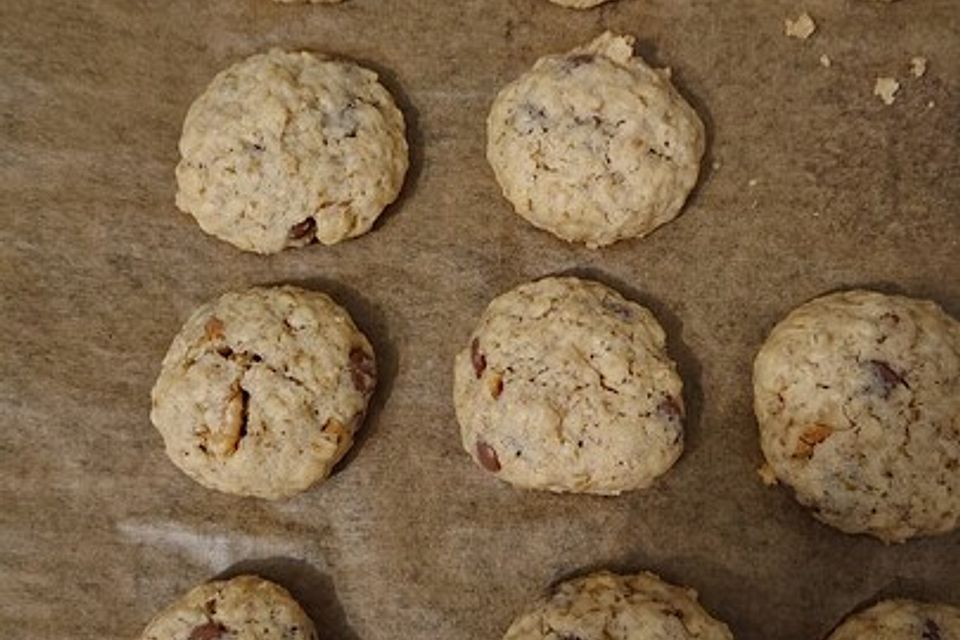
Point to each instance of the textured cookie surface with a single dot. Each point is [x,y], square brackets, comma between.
[286,148]
[244,608]
[857,395]
[606,606]
[262,391]
[579,4]
[594,145]
[567,386]
[901,620]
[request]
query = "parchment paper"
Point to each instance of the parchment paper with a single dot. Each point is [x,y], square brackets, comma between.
[410,540]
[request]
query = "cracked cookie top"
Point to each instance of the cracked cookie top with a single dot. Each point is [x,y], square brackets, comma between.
[262,391]
[286,148]
[606,606]
[901,620]
[594,145]
[566,386]
[243,608]
[857,396]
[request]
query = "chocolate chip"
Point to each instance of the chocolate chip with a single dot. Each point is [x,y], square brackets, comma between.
[303,229]
[887,377]
[670,408]
[244,416]
[931,630]
[208,631]
[488,457]
[363,370]
[478,359]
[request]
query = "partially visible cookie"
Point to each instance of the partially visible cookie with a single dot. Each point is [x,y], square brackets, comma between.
[901,620]
[566,386]
[606,606]
[594,145]
[286,148]
[857,395]
[243,608]
[578,4]
[262,391]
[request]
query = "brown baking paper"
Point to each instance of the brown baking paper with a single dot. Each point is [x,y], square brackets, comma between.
[810,183]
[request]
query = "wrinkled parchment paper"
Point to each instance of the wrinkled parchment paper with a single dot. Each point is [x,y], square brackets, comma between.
[811,183]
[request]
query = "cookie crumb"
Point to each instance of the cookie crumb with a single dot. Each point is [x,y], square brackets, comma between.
[918,66]
[825,61]
[886,88]
[752,182]
[716,165]
[767,476]
[801,28]
[931,104]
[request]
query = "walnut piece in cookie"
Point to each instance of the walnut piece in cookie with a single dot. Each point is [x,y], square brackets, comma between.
[607,606]
[594,145]
[262,391]
[857,396]
[287,148]
[901,620]
[567,386]
[242,608]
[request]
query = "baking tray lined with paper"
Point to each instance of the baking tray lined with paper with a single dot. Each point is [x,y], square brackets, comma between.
[810,183]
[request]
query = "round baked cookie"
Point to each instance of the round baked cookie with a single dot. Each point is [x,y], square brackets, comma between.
[244,608]
[286,148]
[857,395]
[578,4]
[262,391]
[594,145]
[901,620]
[606,606]
[566,386]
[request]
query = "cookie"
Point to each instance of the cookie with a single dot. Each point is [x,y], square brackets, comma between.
[566,386]
[606,606]
[286,148]
[594,145]
[244,608]
[857,396]
[901,620]
[262,391]
[579,4]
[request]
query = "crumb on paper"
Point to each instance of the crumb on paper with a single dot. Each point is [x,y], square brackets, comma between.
[931,104]
[918,66]
[816,214]
[752,182]
[767,476]
[825,60]
[801,28]
[886,88]
[716,165]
